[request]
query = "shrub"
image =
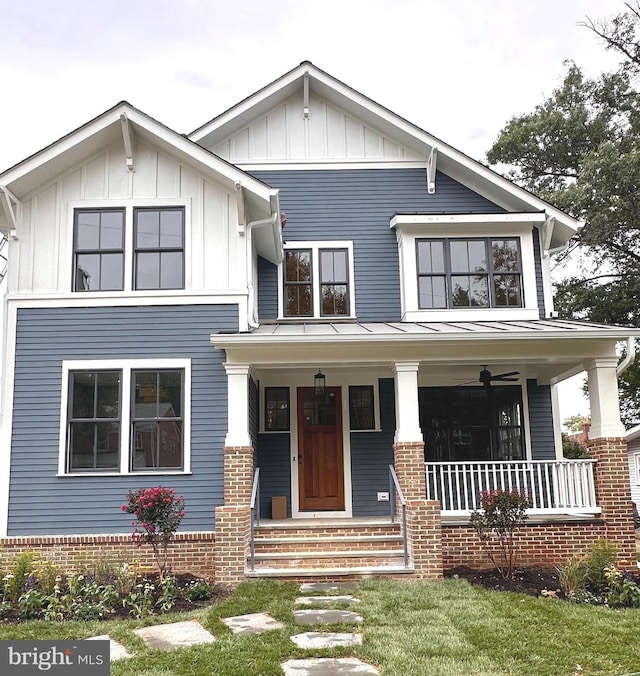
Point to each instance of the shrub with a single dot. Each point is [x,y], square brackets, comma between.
[601,556]
[501,514]
[573,449]
[21,568]
[158,513]
[198,590]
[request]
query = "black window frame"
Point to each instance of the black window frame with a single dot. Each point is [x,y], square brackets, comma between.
[333,283]
[354,426]
[95,420]
[160,250]
[491,274]
[91,251]
[449,431]
[285,399]
[316,283]
[156,420]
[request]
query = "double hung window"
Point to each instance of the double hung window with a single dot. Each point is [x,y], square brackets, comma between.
[318,281]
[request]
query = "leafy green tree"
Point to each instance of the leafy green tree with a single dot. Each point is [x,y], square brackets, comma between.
[575,423]
[580,149]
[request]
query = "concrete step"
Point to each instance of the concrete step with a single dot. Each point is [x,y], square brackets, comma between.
[329,574]
[309,542]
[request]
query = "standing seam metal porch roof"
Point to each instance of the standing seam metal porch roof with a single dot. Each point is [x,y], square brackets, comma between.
[292,332]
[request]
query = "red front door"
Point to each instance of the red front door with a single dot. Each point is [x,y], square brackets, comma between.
[320,460]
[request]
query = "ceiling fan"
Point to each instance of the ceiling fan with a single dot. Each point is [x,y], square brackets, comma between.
[486,377]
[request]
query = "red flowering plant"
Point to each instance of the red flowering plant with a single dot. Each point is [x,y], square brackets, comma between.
[502,512]
[158,513]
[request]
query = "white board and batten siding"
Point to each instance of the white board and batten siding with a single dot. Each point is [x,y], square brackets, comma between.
[44,250]
[328,133]
[633,449]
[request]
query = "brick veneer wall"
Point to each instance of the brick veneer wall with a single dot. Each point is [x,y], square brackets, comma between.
[424,537]
[613,494]
[238,475]
[543,544]
[189,552]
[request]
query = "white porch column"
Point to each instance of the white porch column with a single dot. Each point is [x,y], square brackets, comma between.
[237,405]
[407,412]
[603,397]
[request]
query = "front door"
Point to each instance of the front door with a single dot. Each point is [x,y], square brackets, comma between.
[320,459]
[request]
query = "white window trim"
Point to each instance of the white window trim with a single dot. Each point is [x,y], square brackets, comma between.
[129,205]
[408,235]
[637,468]
[315,247]
[126,366]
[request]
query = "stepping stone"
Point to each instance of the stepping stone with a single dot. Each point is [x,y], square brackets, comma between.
[324,639]
[310,587]
[309,600]
[254,623]
[174,635]
[325,616]
[116,650]
[328,666]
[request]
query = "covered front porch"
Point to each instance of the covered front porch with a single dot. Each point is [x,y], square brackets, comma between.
[324,410]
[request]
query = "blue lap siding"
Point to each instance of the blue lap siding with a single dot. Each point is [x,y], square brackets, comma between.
[42,503]
[541,421]
[357,205]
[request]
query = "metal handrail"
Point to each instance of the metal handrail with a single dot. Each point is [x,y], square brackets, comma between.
[394,488]
[254,507]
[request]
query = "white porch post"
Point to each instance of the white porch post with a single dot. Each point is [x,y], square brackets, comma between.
[603,397]
[407,412]
[237,405]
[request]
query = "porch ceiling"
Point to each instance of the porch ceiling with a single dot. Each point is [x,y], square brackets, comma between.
[547,349]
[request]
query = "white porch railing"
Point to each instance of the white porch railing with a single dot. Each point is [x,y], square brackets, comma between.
[560,486]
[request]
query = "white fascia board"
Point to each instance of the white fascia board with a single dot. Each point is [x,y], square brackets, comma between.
[453,162]
[149,129]
[401,221]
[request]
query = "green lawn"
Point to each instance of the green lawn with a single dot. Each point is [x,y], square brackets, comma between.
[444,628]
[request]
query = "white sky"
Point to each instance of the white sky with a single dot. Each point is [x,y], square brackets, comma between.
[457,68]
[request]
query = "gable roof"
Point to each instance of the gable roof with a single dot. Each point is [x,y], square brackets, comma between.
[452,162]
[81,143]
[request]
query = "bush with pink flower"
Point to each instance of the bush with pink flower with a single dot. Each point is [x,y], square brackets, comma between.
[158,512]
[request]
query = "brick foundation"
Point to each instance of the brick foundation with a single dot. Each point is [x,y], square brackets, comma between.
[425,539]
[541,544]
[232,542]
[189,552]
[613,495]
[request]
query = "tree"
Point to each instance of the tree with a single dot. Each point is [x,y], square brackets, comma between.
[575,423]
[580,150]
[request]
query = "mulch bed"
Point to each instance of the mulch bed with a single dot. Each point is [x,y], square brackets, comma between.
[219,593]
[531,580]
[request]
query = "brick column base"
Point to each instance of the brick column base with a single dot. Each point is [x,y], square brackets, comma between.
[425,538]
[238,474]
[613,495]
[408,461]
[232,543]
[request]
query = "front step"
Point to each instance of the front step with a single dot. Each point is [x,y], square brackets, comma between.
[323,549]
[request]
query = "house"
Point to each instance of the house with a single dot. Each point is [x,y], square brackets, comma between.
[308,303]
[633,455]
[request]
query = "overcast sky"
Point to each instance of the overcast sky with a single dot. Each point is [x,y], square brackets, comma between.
[457,68]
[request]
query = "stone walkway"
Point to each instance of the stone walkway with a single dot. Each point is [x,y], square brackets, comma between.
[183,634]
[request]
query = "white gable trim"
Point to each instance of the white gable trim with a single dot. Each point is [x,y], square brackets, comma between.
[454,163]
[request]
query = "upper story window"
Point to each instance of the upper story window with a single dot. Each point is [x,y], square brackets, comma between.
[99,250]
[317,280]
[466,273]
[131,417]
[463,267]
[122,249]
[159,248]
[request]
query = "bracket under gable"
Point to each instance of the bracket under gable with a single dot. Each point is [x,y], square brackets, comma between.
[10,205]
[127,137]
[242,219]
[431,170]
[547,234]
